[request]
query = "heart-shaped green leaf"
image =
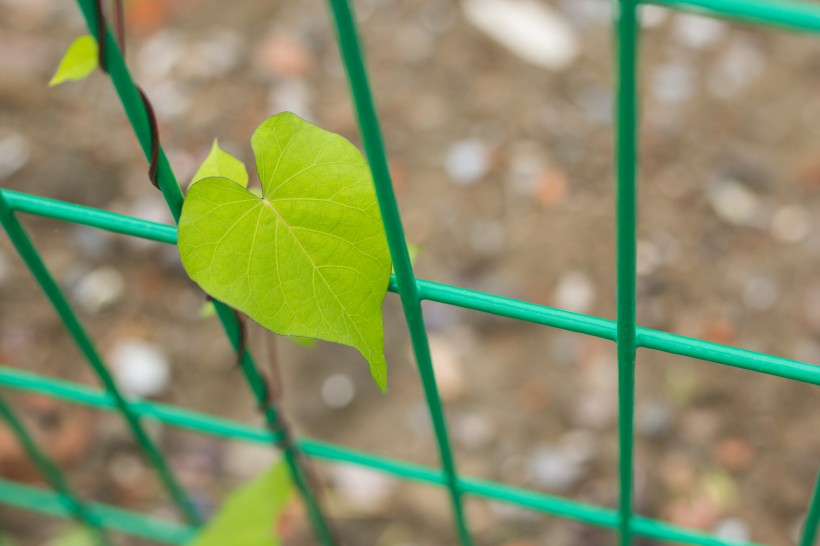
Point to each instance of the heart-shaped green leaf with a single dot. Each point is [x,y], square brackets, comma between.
[248,517]
[79,61]
[310,257]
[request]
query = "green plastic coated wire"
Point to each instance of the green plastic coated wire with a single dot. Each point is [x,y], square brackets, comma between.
[405,279]
[34,262]
[135,109]
[799,16]
[52,473]
[627,213]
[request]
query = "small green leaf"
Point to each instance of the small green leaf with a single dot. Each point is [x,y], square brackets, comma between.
[79,61]
[78,535]
[310,257]
[207,310]
[221,163]
[249,516]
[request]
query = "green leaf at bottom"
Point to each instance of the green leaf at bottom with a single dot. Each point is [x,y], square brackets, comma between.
[249,516]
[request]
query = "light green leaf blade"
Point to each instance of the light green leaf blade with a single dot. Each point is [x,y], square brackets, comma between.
[78,535]
[310,258]
[249,516]
[221,163]
[79,61]
[303,341]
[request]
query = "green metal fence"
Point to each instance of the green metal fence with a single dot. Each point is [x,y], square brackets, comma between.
[62,501]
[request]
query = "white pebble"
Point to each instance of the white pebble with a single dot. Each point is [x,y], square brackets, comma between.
[467,161]
[531,30]
[760,293]
[141,369]
[338,391]
[791,224]
[554,469]
[734,204]
[448,367]
[99,289]
[648,258]
[672,82]
[733,530]
[291,96]
[698,31]
[14,153]
[575,292]
[362,488]
[652,16]
[739,65]
[472,431]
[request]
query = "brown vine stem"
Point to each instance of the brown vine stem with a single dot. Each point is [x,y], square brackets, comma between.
[275,398]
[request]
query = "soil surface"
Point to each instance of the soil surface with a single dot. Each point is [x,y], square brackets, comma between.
[504,175]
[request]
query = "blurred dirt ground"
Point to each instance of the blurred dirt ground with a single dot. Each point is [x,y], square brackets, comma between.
[503,171]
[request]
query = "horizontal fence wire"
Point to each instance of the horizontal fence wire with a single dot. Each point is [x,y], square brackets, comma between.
[795,15]
[207,424]
[457,296]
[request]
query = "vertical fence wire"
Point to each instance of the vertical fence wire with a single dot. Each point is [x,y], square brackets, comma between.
[35,264]
[137,114]
[405,279]
[626,205]
[812,522]
[52,473]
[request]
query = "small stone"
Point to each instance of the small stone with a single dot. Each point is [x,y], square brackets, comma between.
[791,224]
[739,65]
[531,30]
[472,431]
[141,369]
[214,57]
[698,31]
[554,469]
[338,391]
[735,454]
[648,258]
[361,488]
[587,14]
[653,419]
[672,82]
[760,293]
[169,98]
[246,461]
[283,54]
[99,289]
[734,203]
[575,292]
[291,96]
[733,530]
[15,152]
[92,243]
[551,187]
[652,16]
[467,161]
[448,367]
[579,445]
[159,55]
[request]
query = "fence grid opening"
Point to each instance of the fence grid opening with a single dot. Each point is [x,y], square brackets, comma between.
[801,16]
